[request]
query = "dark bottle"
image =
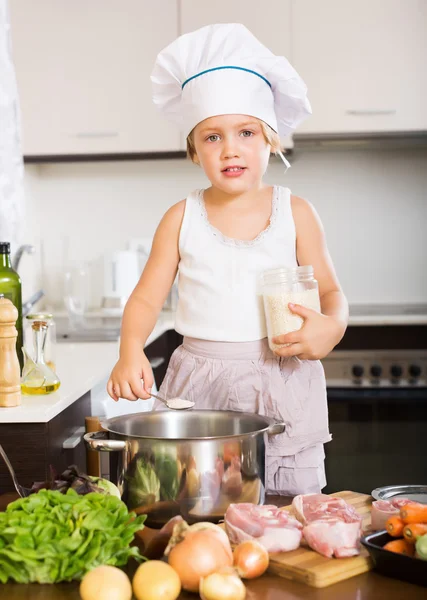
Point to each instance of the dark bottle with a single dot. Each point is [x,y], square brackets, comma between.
[10,287]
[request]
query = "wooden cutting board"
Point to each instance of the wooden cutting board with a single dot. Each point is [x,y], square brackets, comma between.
[307,566]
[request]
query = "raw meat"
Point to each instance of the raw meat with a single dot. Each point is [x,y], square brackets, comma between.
[381,510]
[275,529]
[311,507]
[333,537]
[331,526]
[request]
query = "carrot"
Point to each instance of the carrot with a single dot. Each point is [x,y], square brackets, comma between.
[414,513]
[400,546]
[394,526]
[413,531]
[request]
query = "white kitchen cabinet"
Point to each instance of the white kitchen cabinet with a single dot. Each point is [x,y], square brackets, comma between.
[83,72]
[269,21]
[364,62]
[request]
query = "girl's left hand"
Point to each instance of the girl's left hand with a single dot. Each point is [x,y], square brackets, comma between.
[318,335]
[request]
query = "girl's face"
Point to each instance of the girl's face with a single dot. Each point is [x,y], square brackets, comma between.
[232,151]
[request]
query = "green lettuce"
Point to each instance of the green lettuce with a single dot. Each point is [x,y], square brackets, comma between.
[50,537]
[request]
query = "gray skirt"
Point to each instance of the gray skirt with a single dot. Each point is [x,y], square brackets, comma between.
[248,376]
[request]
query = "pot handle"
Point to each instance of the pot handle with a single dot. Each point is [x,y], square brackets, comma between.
[98,440]
[276,428]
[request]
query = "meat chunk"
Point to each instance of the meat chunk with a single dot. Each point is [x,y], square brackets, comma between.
[331,526]
[381,510]
[275,529]
[333,537]
[311,507]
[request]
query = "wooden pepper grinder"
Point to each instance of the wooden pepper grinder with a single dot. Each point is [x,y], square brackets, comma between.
[10,372]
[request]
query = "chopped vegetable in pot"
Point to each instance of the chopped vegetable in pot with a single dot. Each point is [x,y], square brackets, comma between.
[144,485]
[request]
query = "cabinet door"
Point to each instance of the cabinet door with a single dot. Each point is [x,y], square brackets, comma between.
[269,21]
[83,71]
[363,62]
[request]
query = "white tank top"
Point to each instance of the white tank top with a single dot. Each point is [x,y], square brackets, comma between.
[218,281]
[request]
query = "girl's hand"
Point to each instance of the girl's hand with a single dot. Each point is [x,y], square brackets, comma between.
[125,379]
[318,335]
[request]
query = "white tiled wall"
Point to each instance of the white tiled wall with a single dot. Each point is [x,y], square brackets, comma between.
[373,205]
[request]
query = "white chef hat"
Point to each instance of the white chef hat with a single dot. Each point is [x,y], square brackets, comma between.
[223,69]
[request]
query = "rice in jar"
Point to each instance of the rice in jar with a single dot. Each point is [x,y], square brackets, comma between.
[281,287]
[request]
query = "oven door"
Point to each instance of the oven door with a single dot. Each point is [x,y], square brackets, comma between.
[378,438]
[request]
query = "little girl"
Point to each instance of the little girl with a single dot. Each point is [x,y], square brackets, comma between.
[232,98]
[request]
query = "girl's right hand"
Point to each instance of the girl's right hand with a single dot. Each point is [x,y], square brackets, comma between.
[125,379]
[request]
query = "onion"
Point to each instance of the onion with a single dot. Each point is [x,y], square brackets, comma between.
[197,551]
[250,559]
[105,582]
[156,579]
[222,585]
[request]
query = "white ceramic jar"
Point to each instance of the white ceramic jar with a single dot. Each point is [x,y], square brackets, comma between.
[282,286]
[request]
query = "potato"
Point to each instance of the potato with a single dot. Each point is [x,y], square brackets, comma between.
[156,579]
[108,583]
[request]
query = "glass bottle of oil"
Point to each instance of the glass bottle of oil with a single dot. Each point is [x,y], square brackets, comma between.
[10,287]
[37,377]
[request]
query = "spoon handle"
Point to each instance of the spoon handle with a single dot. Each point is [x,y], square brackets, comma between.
[158,398]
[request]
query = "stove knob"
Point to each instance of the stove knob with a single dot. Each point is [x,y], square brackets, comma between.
[396,371]
[376,371]
[357,371]
[414,371]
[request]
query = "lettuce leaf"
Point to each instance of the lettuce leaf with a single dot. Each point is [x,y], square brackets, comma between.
[50,537]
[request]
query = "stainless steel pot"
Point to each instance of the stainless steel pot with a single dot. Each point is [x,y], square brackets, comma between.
[191,463]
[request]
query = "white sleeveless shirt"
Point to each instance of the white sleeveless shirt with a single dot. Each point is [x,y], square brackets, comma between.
[218,281]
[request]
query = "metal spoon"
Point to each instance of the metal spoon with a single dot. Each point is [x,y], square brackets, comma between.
[171,406]
[22,491]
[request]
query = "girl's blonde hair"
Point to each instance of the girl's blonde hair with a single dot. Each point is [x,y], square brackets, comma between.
[271,137]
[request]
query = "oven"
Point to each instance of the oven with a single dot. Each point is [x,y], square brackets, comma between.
[377,400]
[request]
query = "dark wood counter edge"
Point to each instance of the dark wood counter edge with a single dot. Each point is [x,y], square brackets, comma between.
[369,586]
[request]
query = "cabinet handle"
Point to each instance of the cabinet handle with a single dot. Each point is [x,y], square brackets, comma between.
[368,112]
[74,440]
[95,134]
[156,362]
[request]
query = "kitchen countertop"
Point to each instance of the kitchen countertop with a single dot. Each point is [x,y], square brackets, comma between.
[369,586]
[80,367]
[388,314]
[94,360]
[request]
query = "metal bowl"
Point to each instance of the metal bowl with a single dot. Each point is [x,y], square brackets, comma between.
[418,493]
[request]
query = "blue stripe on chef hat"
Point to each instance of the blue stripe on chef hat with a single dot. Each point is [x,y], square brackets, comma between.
[220,69]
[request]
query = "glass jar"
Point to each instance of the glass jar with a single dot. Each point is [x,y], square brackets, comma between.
[282,286]
[50,344]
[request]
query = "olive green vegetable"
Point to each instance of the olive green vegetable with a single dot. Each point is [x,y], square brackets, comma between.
[421,547]
[50,537]
[144,485]
[167,467]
